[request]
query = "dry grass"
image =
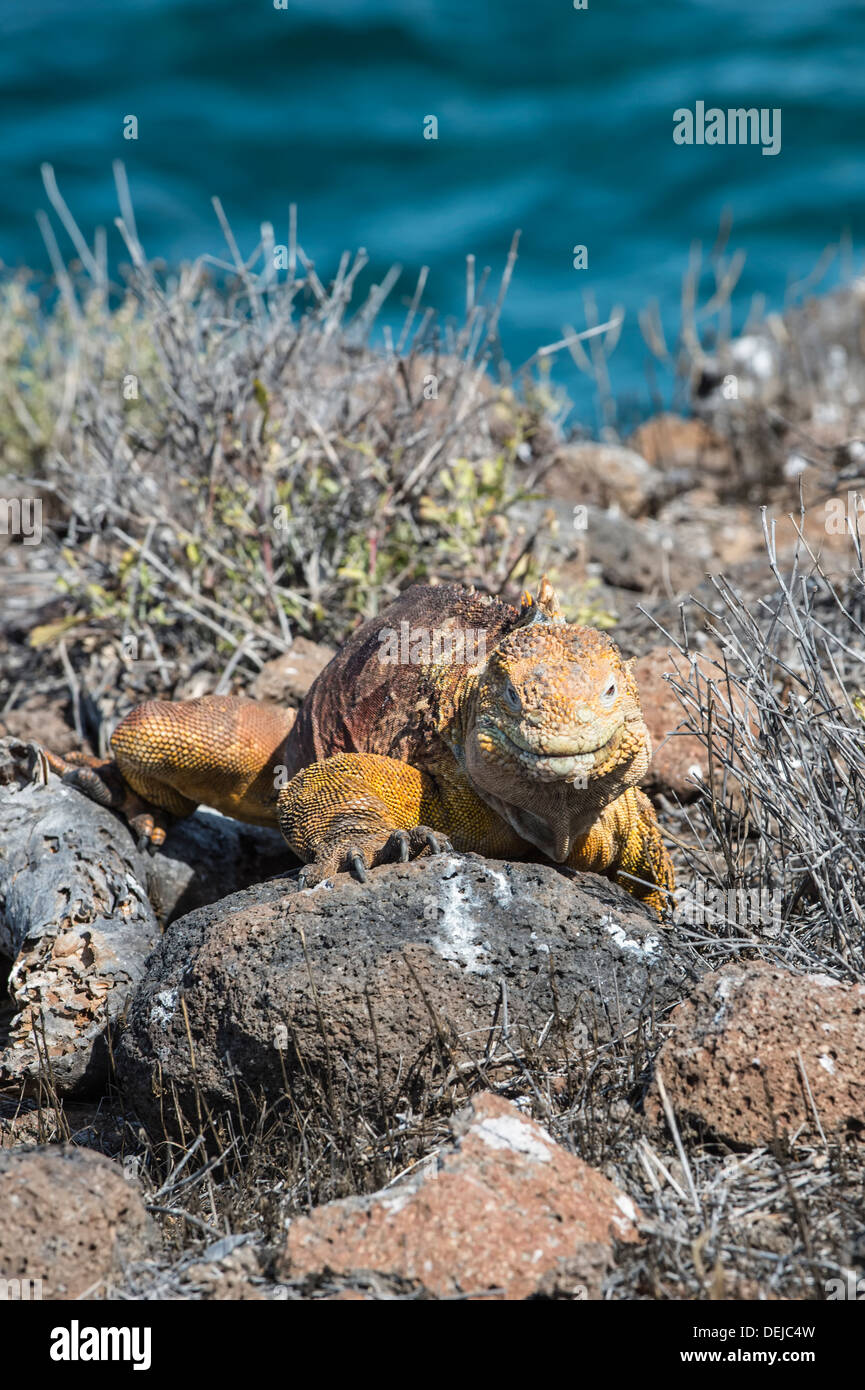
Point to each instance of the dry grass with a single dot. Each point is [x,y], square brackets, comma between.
[781,720]
[226,460]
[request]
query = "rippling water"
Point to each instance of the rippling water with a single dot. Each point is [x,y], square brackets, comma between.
[552,120]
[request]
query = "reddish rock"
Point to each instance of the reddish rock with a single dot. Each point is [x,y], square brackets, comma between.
[497,1213]
[672,441]
[69,1218]
[286,679]
[679,759]
[745,1042]
[603,475]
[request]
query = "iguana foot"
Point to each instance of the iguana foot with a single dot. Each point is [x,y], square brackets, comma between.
[102,781]
[359,853]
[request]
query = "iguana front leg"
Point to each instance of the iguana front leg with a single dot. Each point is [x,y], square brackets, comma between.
[354,811]
[625,844]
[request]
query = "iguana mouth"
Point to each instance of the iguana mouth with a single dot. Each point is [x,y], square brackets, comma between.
[565,766]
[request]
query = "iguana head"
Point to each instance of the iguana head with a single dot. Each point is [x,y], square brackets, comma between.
[556,731]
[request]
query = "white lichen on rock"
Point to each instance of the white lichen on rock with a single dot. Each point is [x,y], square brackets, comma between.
[459,936]
[163,1007]
[649,946]
[510,1132]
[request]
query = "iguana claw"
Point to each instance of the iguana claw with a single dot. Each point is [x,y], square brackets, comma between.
[362,854]
[438,846]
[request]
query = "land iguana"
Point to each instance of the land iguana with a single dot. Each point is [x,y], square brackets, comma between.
[451,720]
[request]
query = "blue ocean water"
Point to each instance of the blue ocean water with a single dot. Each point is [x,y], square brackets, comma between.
[553,120]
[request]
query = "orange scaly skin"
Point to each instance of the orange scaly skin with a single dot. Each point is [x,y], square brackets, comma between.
[522,739]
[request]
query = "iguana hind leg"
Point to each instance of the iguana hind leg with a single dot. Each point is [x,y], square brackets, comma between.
[220,751]
[625,844]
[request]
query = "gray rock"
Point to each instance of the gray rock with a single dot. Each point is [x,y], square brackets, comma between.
[641,557]
[379,991]
[77,923]
[646,556]
[81,909]
[206,857]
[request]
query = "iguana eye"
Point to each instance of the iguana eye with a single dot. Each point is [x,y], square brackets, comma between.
[609,694]
[512,698]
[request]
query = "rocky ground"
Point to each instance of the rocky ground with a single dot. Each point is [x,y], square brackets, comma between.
[466,1078]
